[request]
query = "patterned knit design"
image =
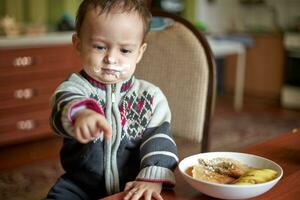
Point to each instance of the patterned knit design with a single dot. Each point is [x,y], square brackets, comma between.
[99,100]
[135,112]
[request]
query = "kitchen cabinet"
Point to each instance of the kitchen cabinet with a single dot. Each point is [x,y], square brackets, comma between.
[28,77]
[264,68]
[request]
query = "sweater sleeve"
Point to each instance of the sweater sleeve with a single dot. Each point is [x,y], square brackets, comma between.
[158,152]
[69,98]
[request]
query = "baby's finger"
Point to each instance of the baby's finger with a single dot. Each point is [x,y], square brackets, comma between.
[85,133]
[105,127]
[93,130]
[147,195]
[130,194]
[137,194]
[128,186]
[157,196]
[78,137]
[83,141]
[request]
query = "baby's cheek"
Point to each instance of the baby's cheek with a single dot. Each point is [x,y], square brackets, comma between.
[90,58]
[128,69]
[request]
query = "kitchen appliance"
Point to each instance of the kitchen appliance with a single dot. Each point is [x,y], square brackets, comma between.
[290,94]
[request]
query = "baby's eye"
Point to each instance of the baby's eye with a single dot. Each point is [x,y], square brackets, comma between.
[99,47]
[123,50]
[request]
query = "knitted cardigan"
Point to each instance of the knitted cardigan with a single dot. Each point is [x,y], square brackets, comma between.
[140,147]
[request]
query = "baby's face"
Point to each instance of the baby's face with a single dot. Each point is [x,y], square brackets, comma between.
[110,45]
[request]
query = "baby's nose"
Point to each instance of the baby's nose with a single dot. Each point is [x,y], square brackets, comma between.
[111,57]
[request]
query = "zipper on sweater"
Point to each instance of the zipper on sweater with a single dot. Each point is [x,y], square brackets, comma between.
[113,93]
[113,187]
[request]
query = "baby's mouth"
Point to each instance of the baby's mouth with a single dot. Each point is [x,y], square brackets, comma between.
[110,71]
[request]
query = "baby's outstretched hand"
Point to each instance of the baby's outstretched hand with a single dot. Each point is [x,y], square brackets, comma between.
[89,124]
[138,189]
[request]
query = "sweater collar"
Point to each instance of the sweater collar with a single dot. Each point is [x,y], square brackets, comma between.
[126,85]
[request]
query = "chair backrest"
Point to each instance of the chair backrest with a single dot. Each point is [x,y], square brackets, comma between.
[178,59]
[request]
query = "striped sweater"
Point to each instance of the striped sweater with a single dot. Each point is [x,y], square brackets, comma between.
[141,146]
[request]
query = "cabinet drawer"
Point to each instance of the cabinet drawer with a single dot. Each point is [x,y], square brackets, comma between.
[22,58]
[24,126]
[28,93]
[34,63]
[9,79]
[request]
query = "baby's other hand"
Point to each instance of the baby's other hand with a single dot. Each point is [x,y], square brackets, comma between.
[138,189]
[89,124]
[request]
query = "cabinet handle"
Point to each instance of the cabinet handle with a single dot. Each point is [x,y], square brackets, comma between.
[23,61]
[27,125]
[26,93]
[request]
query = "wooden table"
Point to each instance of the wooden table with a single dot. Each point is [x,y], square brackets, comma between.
[284,150]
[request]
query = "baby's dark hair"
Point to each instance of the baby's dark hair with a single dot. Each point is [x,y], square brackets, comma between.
[107,5]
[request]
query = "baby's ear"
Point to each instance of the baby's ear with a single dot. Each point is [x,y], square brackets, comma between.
[76,43]
[141,51]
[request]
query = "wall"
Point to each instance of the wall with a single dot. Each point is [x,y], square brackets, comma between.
[189,10]
[230,15]
[45,12]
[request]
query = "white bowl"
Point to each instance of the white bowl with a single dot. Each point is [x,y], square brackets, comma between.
[228,191]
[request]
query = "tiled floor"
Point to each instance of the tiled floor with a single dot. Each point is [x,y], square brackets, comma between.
[230,131]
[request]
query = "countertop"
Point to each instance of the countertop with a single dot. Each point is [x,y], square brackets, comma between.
[38,40]
[219,47]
